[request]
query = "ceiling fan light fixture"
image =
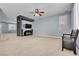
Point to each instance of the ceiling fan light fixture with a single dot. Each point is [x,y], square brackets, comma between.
[36,14]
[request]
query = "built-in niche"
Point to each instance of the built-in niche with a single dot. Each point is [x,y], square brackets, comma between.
[24,26]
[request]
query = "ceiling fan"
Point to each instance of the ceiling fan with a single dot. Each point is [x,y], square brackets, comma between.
[38,12]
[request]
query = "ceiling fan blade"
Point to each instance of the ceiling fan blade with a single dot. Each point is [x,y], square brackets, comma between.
[41,12]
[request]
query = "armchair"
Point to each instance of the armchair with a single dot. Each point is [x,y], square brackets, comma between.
[70,42]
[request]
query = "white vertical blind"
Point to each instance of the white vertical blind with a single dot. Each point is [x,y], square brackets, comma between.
[63,26]
[77,15]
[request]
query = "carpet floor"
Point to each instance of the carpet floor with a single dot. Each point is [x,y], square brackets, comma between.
[32,46]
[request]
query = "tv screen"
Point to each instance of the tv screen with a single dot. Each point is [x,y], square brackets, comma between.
[28,25]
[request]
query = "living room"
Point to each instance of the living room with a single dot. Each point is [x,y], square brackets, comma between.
[47,26]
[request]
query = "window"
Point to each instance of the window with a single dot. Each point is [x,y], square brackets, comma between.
[63,22]
[12,26]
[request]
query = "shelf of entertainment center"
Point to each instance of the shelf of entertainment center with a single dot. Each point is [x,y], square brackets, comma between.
[28,29]
[28,32]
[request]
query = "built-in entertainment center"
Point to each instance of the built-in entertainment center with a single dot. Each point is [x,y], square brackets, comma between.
[24,26]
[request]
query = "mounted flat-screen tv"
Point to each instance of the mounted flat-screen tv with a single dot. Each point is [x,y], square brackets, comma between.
[28,26]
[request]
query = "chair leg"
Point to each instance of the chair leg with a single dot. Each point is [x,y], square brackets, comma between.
[62,43]
[74,48]
[62,48]
[75,53]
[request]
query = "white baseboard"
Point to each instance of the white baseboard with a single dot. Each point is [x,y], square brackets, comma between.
[49,36]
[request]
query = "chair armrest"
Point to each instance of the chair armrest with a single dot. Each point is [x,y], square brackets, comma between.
[65,34]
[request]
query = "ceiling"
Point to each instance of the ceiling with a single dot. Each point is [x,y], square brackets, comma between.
[50,9]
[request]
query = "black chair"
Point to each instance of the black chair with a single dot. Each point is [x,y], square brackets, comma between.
[70,42]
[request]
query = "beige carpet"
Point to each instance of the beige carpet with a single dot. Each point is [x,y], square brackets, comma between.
[11,45]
